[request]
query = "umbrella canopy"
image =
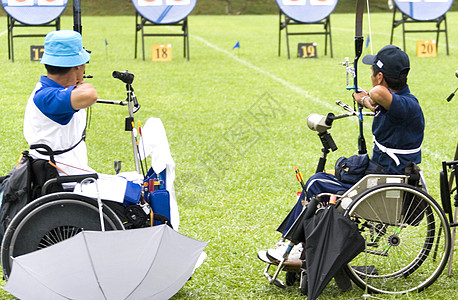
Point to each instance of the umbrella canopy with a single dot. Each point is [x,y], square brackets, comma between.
[146,263]
[331,241]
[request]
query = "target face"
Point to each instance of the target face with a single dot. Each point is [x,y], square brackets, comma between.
[32,12]
[307,11]
[164,11]
[424,10]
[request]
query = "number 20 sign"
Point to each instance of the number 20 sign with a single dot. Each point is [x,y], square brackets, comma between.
[426,48]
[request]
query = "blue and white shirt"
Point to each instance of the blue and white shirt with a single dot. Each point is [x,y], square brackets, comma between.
[50,119]
[398,132]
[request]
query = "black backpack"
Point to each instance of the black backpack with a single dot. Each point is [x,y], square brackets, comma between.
[16,192]
[22,185]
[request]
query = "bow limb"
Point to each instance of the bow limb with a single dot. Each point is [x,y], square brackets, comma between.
[359,40]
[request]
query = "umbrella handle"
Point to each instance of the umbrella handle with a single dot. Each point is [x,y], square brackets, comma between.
[99,201]
[311,208]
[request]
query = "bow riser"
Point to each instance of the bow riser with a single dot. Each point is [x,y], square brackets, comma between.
[359,40]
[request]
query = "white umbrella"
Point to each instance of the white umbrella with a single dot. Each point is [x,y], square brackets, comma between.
[146,263]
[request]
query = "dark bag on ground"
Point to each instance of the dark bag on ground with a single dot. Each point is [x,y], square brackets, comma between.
[353,168]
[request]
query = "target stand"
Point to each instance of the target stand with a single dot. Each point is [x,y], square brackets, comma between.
[28,13]
[141,23]
[286,21]
[301,12]
[423,11]
[159,14]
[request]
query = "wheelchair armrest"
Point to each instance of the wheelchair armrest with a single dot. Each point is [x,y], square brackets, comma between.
[65,179]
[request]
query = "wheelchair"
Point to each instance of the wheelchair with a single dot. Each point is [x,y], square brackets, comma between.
[406,232]
[56,216]
[51,219]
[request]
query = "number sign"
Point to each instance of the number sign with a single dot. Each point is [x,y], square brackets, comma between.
[36,52]
[426,48]
[160,52]
[307,50]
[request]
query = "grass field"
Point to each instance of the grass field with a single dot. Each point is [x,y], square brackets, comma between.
[235,120]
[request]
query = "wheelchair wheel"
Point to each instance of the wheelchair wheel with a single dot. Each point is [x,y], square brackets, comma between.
[49,220]
[407,239]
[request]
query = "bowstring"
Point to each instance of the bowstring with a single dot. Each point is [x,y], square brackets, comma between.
[369,23]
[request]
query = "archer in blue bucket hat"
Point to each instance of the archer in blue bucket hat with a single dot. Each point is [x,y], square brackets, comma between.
[64,48]
[55,114]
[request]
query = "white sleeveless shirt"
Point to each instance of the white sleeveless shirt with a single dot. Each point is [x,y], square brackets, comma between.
[47,105]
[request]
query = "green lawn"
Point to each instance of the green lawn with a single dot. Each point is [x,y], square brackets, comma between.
[236,124]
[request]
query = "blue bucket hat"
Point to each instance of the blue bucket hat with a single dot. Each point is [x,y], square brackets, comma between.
[64,48]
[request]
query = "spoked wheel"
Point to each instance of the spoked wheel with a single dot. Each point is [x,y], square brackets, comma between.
[407,239]
[51,219]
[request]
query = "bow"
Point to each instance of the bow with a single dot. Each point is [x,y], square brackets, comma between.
[77,16]
[359,40]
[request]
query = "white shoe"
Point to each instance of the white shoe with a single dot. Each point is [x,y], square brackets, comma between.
[276,255]
[262,255]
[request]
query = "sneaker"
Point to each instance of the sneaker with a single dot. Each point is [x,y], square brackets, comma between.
[276,255]
[262,255]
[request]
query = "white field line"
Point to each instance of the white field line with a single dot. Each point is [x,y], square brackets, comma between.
[2,33]
[248,64]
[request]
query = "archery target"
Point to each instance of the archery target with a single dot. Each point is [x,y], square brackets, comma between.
[424,10]
[32,12]
[307,11]
[164,11]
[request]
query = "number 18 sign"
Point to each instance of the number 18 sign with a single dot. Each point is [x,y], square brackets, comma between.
[161,52]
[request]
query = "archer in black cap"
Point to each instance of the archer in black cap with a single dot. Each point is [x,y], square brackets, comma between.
[398,131]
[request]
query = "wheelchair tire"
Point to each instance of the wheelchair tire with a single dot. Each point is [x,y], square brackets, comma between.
[404,253]
[291,278]
[49,220]
[303,283]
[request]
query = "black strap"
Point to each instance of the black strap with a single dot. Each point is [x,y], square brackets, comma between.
[51,153]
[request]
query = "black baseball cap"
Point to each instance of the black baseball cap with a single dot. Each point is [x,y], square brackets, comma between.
[391,60]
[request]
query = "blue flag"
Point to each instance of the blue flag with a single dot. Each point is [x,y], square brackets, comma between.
[368,40]
[106,42]
[237,45]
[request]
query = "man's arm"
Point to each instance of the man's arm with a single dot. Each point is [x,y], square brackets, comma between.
[83,95]
[380,95]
